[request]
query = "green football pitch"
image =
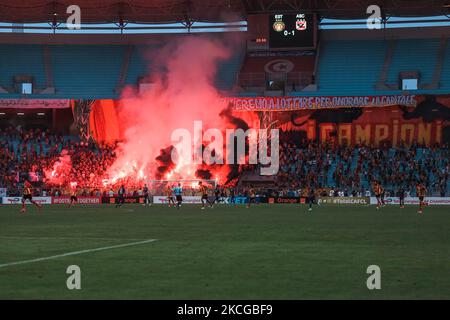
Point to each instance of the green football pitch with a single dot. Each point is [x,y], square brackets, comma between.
[265,252]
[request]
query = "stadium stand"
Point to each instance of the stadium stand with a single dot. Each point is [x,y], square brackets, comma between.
[344,67]
[137,66]
[228,72]
[93,71]
[22,60]
[408,56]
[350,169]
[355,67]
[350,67]
[445,73]
[258,69]
[89,71]
[86,71]
[31,152]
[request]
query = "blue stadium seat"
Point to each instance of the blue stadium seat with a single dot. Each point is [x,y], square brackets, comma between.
[89,71]
[86,71]
[418,55]
[228,71]
[139,64]
[350,67]
[445,74]
[346,67]
[21,60]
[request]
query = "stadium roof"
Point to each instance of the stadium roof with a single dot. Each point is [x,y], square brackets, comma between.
[168,11]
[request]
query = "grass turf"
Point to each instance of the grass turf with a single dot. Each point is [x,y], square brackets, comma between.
[265,252]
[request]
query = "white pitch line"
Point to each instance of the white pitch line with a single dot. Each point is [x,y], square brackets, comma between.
[77,252]
[68,238]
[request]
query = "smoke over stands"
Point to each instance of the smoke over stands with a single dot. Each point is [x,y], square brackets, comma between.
[183,74]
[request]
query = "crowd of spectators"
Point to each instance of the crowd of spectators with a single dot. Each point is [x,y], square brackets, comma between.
[51,160]
[349,170]
[56,161]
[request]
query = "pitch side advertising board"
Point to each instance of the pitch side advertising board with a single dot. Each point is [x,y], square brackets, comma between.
[414,201]
[237,200]
[113,200]
[197,199]
[284,200]
[18,200]
[186,199]
[344,200]
[81,200]
[227,200]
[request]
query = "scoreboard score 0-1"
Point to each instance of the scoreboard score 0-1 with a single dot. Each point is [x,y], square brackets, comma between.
[292,31]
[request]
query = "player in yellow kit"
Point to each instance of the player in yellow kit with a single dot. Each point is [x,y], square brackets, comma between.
[378,190]
[204,192]
[421,191]
[251,197]
[73,197]
[28,195]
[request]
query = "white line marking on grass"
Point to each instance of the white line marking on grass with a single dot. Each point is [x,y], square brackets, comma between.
[69,238]
[77,252]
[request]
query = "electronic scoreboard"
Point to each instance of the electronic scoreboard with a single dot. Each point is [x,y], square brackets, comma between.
[292,31]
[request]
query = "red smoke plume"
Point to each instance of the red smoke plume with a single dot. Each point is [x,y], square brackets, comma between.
[59,172]
[183,91]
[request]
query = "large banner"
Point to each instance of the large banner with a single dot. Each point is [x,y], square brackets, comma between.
[308,103]
[34,103]
[428,123]
[349,119]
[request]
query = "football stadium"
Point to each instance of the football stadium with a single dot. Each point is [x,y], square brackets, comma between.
[224,150]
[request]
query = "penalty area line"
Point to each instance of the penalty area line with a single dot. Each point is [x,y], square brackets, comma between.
[73,253]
